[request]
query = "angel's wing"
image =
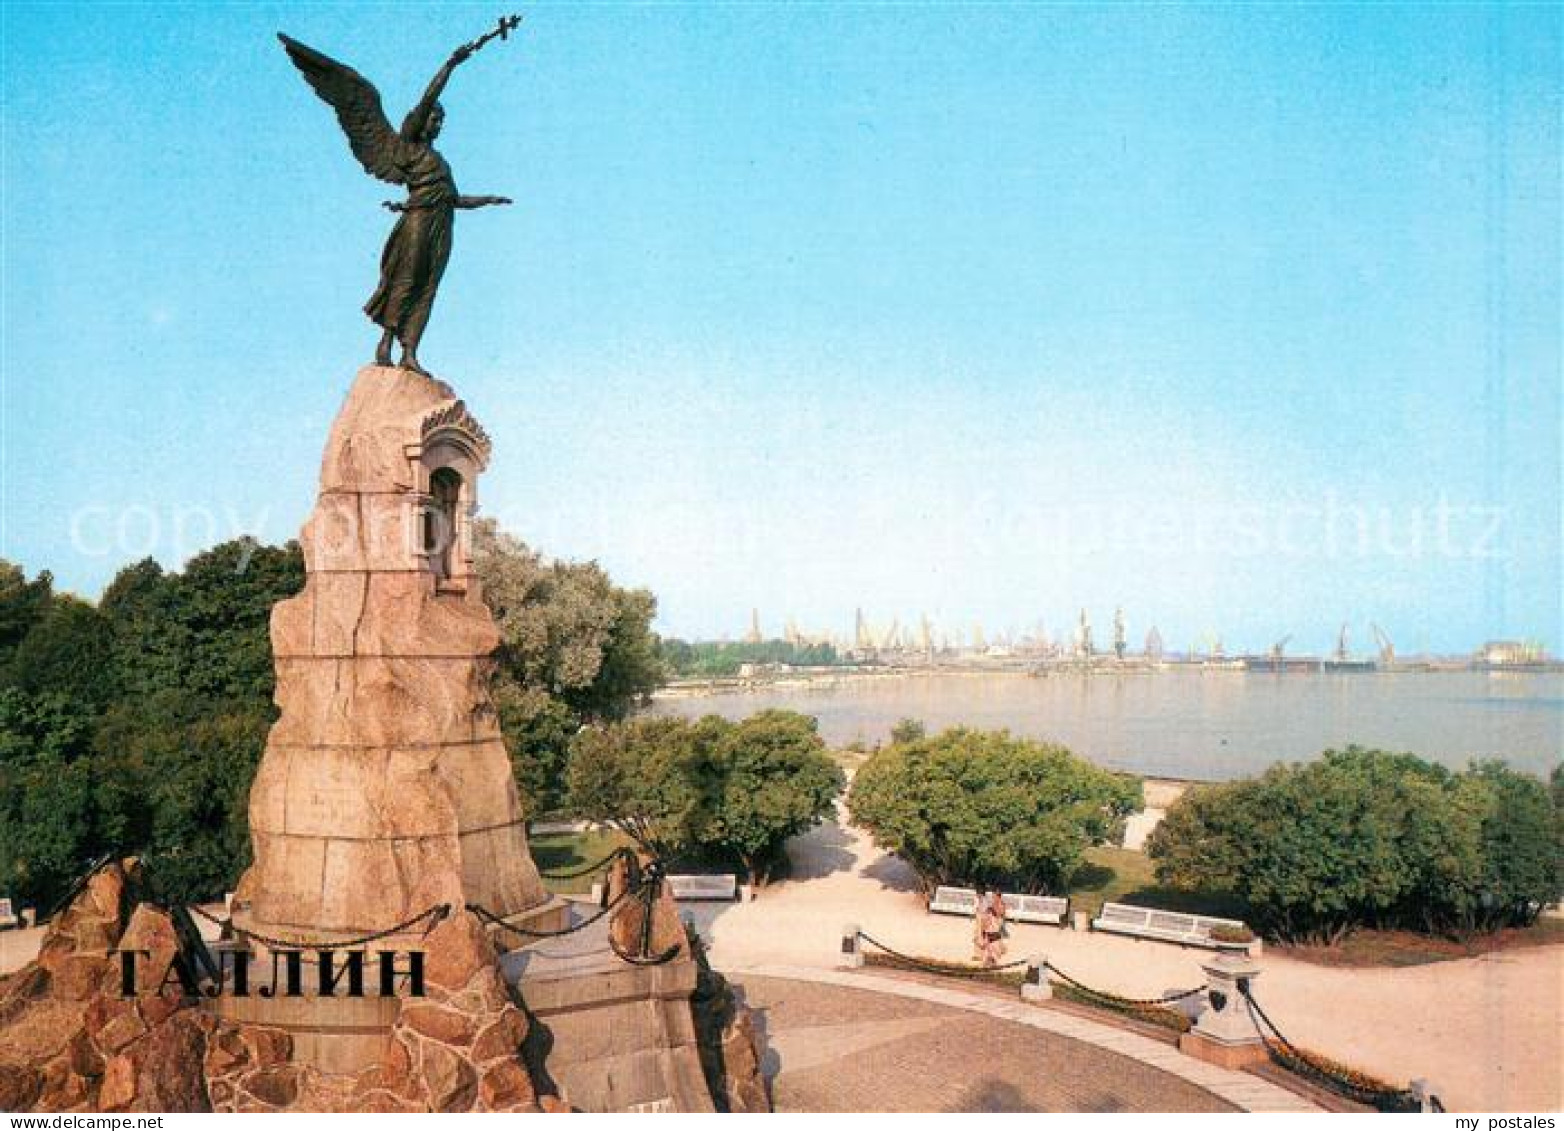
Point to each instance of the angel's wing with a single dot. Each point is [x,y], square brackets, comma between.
[378,147]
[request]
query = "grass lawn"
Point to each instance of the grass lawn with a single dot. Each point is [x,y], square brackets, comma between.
[1118,875]
[563,852]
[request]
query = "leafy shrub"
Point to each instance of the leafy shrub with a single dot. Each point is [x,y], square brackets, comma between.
[733,790]
[1222,933]
[983,807]
[1367,838]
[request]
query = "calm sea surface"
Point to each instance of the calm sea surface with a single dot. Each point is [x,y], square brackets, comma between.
[1204,725]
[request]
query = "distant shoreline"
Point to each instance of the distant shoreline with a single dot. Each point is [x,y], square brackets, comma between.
[807,678]
[1180,723]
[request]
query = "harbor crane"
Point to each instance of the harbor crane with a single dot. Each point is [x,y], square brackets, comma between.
[1279,649]
[1341,643]
[1387,649]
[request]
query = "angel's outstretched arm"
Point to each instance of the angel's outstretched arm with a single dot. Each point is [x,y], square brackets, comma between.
[481,201]
[413,127]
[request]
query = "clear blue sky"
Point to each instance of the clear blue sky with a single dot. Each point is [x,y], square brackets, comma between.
[984,311]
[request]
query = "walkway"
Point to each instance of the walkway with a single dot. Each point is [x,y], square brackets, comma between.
[1484,1030]
[974,1051]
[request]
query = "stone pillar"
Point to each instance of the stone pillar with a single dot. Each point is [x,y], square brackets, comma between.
[1225,1033]
[1036,987]
[852,947]
[385,787]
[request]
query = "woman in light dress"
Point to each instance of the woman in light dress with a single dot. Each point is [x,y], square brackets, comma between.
[988,927]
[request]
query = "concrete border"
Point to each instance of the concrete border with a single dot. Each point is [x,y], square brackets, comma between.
[1244,1091]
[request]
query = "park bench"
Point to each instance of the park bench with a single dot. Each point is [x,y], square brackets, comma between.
[8,916]
[704,887]
[1050,909]
[1167,926]
[953,901]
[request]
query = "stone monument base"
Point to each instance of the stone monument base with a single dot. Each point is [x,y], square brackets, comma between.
[591,1030]
[1244,1054]
[620,1036]
[334,1034]
[613,1036]
[72,1039]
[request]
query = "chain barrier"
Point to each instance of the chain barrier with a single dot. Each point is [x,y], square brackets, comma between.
[958,969]
[435,914]
[77,886]
[576,873]
[494,920]
[643,887]
[1294,1059]
[1144,1002]
[648,886]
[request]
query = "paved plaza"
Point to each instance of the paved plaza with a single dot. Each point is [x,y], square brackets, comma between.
[835,1049]
[1485,1030]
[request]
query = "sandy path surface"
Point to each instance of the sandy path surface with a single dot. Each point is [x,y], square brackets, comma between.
[1488,1031]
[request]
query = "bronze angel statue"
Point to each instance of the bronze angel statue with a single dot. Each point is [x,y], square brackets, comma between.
[415,256]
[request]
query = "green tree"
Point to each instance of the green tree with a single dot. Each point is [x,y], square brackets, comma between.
[67,651]
[773,780]
[201,773]
[908,730]
[968,806]
[1520,847]
[643,777]
[538,729]
[22,604]
[1314,851]
[137,726]
[575,650]
[1366,838]
[706,790]
[203,633]
[1556,792]
[47,818]
[721,659]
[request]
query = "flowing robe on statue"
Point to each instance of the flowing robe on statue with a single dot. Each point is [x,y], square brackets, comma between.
[418,248]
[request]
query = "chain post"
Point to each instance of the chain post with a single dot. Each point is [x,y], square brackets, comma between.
[852,947]
[1035,987]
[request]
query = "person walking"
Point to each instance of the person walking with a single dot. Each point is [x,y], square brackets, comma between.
[988,927]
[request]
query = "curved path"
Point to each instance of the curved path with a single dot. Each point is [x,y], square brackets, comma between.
[1484,1030]
[1033,1059]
